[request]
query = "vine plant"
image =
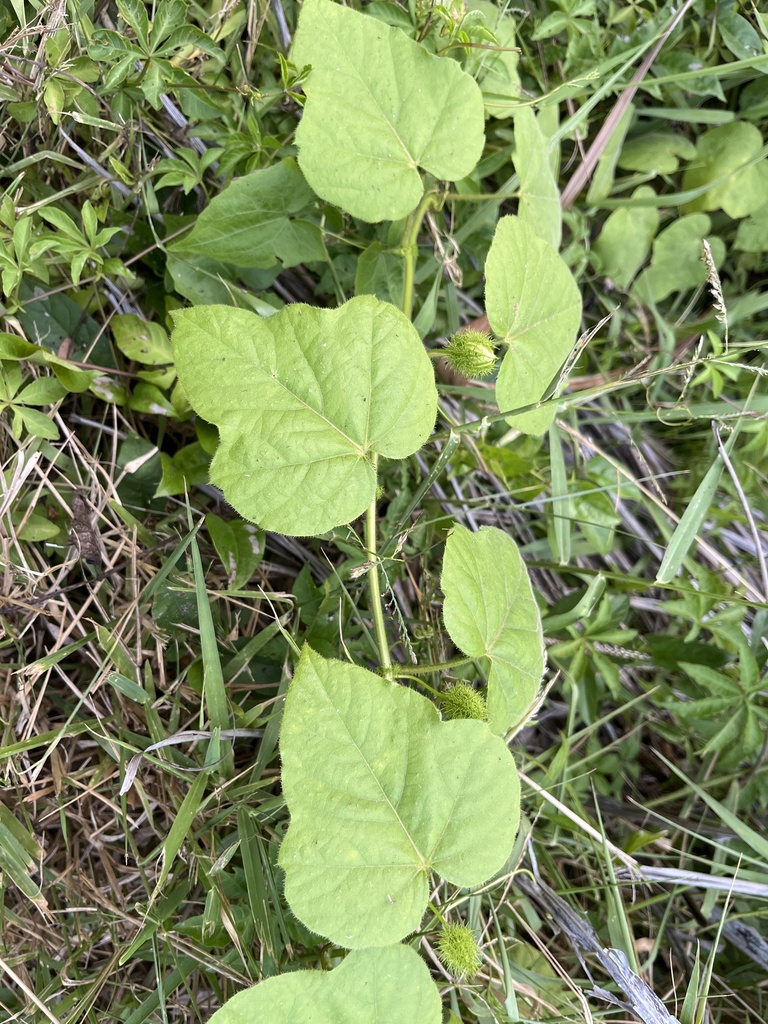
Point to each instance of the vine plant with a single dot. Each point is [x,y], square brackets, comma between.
[383,789]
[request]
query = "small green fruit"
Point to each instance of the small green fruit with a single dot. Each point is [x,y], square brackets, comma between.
[463,701]
[458,950]
[471,353]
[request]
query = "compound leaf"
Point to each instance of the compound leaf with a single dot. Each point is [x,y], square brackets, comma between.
[381,792]
[534,305]
[303,399]
[491,613]
[371,986]
[379,106]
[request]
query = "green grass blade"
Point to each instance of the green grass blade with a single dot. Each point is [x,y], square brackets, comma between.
[757,843]
[181,828]
[216,700]
[561,501]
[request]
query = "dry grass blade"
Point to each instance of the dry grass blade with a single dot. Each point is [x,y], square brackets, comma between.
[580,178]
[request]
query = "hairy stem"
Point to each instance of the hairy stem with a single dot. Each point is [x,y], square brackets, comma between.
[443,666]
[373,582]
[410,248]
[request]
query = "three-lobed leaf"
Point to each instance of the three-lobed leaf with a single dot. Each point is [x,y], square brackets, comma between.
[303,400]
[378,108]
[534,305]
[371,986]
[382,792]
[490,613]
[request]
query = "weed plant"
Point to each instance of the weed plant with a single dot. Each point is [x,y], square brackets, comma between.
[519,252]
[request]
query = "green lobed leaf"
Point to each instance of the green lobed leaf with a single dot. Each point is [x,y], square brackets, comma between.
[724,157]
[656,152]
[626,238]
[381,792]
[371,986]
[252,222]
[490,613]
[534,305]
[303,400]
[752,233]
[676,264]
[378,107]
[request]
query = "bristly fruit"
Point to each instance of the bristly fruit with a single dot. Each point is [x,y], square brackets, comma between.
[463,701]
[471,353]
[458,950]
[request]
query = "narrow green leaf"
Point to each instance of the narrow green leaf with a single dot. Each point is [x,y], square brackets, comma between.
[372,986]
[379,106]
[262,910]
[214,690]
[754,840]
[605,172]
[562,512]
[382,792]
[688,1009]
[18,851]
[491,613]
[303,399]
[128,687]
[690,523]
[181,828]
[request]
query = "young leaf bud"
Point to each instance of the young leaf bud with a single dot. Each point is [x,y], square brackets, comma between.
[462,701]
[471,353]
[458,950]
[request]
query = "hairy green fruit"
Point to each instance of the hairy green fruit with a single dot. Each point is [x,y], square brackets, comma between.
[458,949]
[463,701]
[472,353]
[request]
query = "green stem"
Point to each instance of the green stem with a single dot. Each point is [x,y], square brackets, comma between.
[411,249]
[373,581]
[423,670]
